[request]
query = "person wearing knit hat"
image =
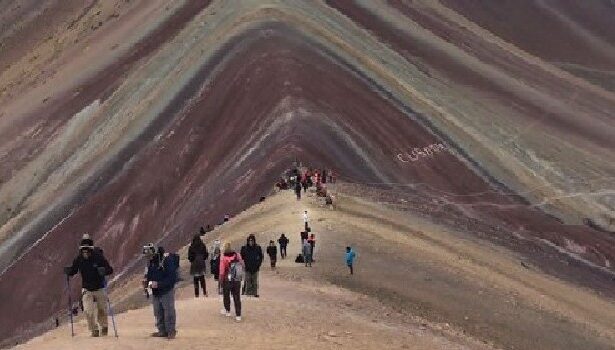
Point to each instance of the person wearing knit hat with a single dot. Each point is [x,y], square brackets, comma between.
[86,242]
[93,267]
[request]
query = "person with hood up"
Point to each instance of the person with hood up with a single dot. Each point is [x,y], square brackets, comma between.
[283,241]
[272,251]
[307,253]
[93,267]
[231,267]
[252,255]
[197,255]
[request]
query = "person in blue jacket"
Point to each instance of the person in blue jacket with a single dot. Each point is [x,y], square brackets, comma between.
[350,256]
[161,277]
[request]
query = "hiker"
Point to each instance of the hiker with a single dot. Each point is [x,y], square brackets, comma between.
[283,241]
[161,277]
[306,219]
[350,256]
[202,231]
[312,241]
[93,267]
[227,217]
[307,253]
[329,201]
[324,175]
[252,255]
[304,237]
[231,274]
[215,263]
[298,190]
[197,255]
[272,251]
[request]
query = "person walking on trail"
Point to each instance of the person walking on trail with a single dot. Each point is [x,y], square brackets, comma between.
[197,255]
[252,255]
[298,190]
[215,264]
[161,277]
[312,241]
[283,241]
[272,251]
[306,220]
[307,253]
[350,256]
[93,267]
[304,237]
[231,273]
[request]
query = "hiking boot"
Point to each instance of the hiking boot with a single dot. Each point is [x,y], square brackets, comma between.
[104,331]
[171,335]
[159,334]
[95,333]
[238,318]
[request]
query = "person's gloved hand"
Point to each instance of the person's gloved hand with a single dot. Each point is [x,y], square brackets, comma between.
[67,270]
[101,270]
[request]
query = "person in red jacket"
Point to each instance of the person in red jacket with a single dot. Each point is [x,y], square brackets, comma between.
[230,284]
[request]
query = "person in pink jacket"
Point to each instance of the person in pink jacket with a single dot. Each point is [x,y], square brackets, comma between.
[231,274]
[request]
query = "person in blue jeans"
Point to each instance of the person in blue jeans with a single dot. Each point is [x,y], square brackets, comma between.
[350,256]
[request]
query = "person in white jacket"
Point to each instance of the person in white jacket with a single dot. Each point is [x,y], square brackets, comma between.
[306,219]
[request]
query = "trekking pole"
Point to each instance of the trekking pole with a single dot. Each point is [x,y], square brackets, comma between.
[70,306]
[110,308]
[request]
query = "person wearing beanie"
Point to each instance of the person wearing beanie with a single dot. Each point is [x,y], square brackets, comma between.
[230,274]
[93,267]
[252,255]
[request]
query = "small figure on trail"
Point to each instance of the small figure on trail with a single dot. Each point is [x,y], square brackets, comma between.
[93,267]
[231,274]
[283,241]
[197,255]
[312,242]
[324,176]
[307,253]
[227,217]
[202,231]
[215,263]
[306,219]
[252,255]
[329,201]
[298,190]
[161,277]
[350,256]
[272,251]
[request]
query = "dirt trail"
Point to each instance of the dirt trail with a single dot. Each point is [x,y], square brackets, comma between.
[417,286]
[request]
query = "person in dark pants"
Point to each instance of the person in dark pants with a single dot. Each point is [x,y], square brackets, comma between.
[215,263]
[350,256]
[272,251]
[197,255]
[161,278]
[252,255]
[298,190]
[230,276]
[312,242]
[93,267]
[283,241]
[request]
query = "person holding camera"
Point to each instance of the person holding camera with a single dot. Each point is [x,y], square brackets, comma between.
[93,267]
[161,277]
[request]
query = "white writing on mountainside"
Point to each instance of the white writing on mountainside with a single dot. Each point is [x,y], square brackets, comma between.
[417,153]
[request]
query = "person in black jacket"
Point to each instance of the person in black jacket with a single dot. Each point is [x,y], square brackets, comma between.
[283,241]
[197,255]
[252,255]
[161,277]
[272,251]
[93,267]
